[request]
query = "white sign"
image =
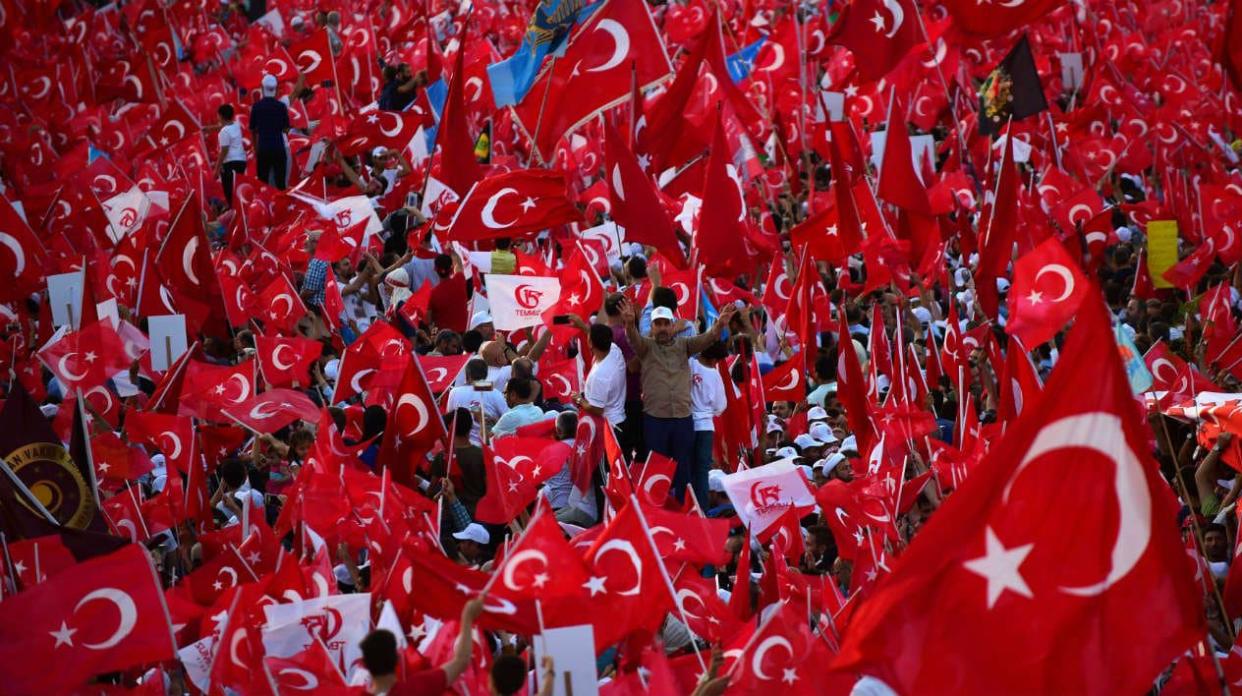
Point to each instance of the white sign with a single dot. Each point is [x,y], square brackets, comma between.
[572,650]
[762,494]
[519,301]
[64,291]
[168,341]
[834,104]
[342,621]
[1071,71]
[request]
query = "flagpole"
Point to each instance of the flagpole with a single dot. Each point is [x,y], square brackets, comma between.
[543,104]
[668,581]
[30,497]
[10,575]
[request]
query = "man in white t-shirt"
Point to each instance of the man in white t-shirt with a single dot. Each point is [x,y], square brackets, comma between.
[232,158]
[604,391]
[707,400]
[476,395]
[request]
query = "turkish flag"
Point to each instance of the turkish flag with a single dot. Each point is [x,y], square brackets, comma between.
[279,305]
[1165,366]
[336,242]
[689,538]
[444,587]
[274,409]
[541,565]
[309,670]
[83,360]
[508,491]
[706,613]
[513,204]
[184,259]
[238,299]
[787,382]
[778,655]
[616,46]
[313,56]
[535,458]
[171,435]
[655,480]
[1231,46]
[286,362]
[560,379]
[1048,288]
[899,182]
[722,239]
[992,558]
[392,129]
[582,292]
[442,370]
[175,124]
[414,424]
[209,388]
[1000,18]
[879,33]
[625,576]
[106,616]
[636,204]
[23,260]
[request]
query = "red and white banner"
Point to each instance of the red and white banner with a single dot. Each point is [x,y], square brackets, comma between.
[519,301]
[762,494]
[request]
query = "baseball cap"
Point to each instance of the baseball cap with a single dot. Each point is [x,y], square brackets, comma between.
[774,425]
[474,532]
[832,461]
[715,481]
[849,444]
[817,413]
[821,432]
[786,453]
[662,313]
[269,84]
[805,440]
[479,318]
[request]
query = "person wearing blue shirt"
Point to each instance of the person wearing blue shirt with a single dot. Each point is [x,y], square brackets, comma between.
[269,121]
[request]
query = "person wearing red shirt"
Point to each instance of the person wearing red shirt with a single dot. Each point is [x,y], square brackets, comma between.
[379,656]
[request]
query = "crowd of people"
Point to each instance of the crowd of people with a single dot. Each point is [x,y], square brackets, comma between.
[792,397]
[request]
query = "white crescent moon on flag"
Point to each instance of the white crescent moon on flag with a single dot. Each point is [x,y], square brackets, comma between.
[621,44]
[756,661]
[124,605]
[516,560]
[276,361]
[1065,275]
[489,210]
[628,549]
[899,16]
[187,259]
[1103,433]
[419,407]
[19,254]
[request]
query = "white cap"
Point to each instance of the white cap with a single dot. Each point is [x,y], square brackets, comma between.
[821,432]
[269,85]
[481,317]
[817,413]
[331,369]
[474,532]
[662,313]
[786,453]
[849,444]
[1002,285]
[922,315]
[832,461]
[775,425]
[715,481]
[1123,234]
[804,441]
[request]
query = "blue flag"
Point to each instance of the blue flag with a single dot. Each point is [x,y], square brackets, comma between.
[741,63]
[549,27]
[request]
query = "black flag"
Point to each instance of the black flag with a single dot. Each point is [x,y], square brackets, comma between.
[1012,90]
[33,452]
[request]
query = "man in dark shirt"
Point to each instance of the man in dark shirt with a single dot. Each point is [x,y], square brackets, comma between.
[400,87]
[269,120]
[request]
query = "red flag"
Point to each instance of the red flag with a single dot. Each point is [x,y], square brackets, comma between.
[23,261]
[313,56]
[707,615]
[459,169]
[993,559]
[414,424]
[286,362]
[512,204]
[722,238]
[655,480]
[689,538]
[1231,46]
[171,435]
[879,33]
[777,656]
[899,182]
[582,292]
[391,129]
[274,409]
[279,305]
[560,379]
[996,246]
[184,259]
[508,491]
[106,616]
[636,204]
[1000,18]
[625,572]
[616,46]
[1048,288]
[787,382]
[88,358]
[541,565]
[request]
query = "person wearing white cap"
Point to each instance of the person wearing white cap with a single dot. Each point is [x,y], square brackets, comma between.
[472,544]
[668,427]
[837,466]
[269,121]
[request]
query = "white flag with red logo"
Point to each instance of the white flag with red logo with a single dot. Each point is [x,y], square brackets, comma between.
[340,621]
[762,494]
[520,301]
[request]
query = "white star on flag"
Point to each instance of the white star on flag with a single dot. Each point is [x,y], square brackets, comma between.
[999,566]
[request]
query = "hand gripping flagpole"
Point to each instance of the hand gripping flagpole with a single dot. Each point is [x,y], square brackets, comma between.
[668,582]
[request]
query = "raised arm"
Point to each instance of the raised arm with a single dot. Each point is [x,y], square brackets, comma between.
[694,344]
[631,331]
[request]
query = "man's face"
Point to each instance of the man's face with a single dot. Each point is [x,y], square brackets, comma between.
[345,267]
[403,73]
[1215,546]
[469,549]
[782,410]
[450,346]
[844,471]
[487,331]
[662,330]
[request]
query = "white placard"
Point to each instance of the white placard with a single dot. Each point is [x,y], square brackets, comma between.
[168,340]
[1071,71]
[1021,150]
[274,22]
[64,291]
[108,310]
[833,105]
[572,649]
[518,301]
